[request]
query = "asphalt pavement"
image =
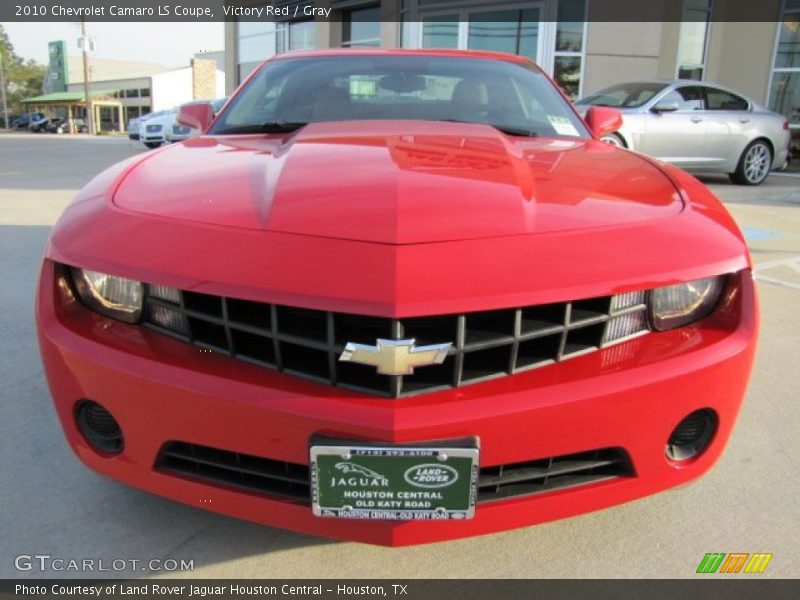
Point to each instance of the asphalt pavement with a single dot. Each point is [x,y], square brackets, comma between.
[52,505]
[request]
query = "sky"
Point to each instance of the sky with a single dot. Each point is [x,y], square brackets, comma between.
[168,44]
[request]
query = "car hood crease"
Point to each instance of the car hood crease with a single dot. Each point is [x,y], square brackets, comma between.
[399,183]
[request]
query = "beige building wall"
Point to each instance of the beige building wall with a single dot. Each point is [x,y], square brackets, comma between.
[390,24]
[231,57]
[617,52]
[390,34]
[204,79]
[104,69]
[668,54]
[740,56]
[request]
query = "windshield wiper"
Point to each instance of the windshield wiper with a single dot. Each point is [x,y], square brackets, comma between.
[268,127]
[281,126]
[512,130]
[507,129]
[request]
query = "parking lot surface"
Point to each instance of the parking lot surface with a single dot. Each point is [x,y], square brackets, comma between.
[52,504]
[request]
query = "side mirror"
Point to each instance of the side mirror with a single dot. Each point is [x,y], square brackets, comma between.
[661,107]
[603,120]
[197,116]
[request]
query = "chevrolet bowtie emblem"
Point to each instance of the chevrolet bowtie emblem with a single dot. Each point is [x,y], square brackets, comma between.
[395,357]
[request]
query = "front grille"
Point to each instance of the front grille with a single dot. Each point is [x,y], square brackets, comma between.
[291,481]
[153,128]
[308,343]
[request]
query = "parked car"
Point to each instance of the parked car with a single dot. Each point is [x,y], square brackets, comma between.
[152,132]
[59,125]
[39,125]
[697,126]
[8,123]
[134,124]
[23,121]
[399,287]
[177,132]
[133,127]
[55,125]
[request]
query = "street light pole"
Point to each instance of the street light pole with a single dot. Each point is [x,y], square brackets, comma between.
[87,86]
[3,86]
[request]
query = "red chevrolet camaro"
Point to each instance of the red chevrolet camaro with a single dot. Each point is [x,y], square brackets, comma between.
[397,297]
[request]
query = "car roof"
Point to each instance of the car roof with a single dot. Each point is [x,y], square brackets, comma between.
[514,58]
[674,82]
[666,82]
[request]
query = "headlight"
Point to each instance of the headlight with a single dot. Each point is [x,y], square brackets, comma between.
[112,296]
[677,305]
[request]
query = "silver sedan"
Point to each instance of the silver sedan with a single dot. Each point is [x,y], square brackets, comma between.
[699,127]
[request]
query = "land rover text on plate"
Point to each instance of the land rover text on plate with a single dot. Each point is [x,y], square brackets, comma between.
[397,297]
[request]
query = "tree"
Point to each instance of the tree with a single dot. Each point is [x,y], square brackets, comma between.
[23,79]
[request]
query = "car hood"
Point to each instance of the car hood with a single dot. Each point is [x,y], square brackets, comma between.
[399,183]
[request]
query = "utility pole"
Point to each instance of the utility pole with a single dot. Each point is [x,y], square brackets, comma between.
[87,85]
[3,86]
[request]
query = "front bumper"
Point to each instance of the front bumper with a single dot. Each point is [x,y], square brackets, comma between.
[628,396]
[152,137]
[783,151]
[781,160]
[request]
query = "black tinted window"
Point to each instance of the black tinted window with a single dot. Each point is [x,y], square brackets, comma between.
[624,95]
[722,100]
[689,97]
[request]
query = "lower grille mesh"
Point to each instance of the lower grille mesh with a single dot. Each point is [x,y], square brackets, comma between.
[537,476]
[291,481]
[251,473]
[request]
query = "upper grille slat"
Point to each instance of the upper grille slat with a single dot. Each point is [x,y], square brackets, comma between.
[308,343]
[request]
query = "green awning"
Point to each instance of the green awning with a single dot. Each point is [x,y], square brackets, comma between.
[58,97]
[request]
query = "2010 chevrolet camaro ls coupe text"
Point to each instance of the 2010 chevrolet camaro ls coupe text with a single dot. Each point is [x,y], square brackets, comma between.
[397,297]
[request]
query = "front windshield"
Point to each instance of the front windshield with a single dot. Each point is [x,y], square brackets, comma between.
[624,95]
[289,93]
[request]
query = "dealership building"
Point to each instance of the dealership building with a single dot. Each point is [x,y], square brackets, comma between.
[129,88]
[573,40]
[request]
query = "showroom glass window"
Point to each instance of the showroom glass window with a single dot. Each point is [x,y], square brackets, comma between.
[784,96]
[517,27]
[693,39]
[362,27]
[570,36]
[255,43]
[295,35]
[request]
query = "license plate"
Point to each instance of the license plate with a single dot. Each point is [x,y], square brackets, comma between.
[394,482]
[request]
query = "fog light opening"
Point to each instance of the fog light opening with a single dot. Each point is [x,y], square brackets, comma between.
[99,427]
[692,435]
